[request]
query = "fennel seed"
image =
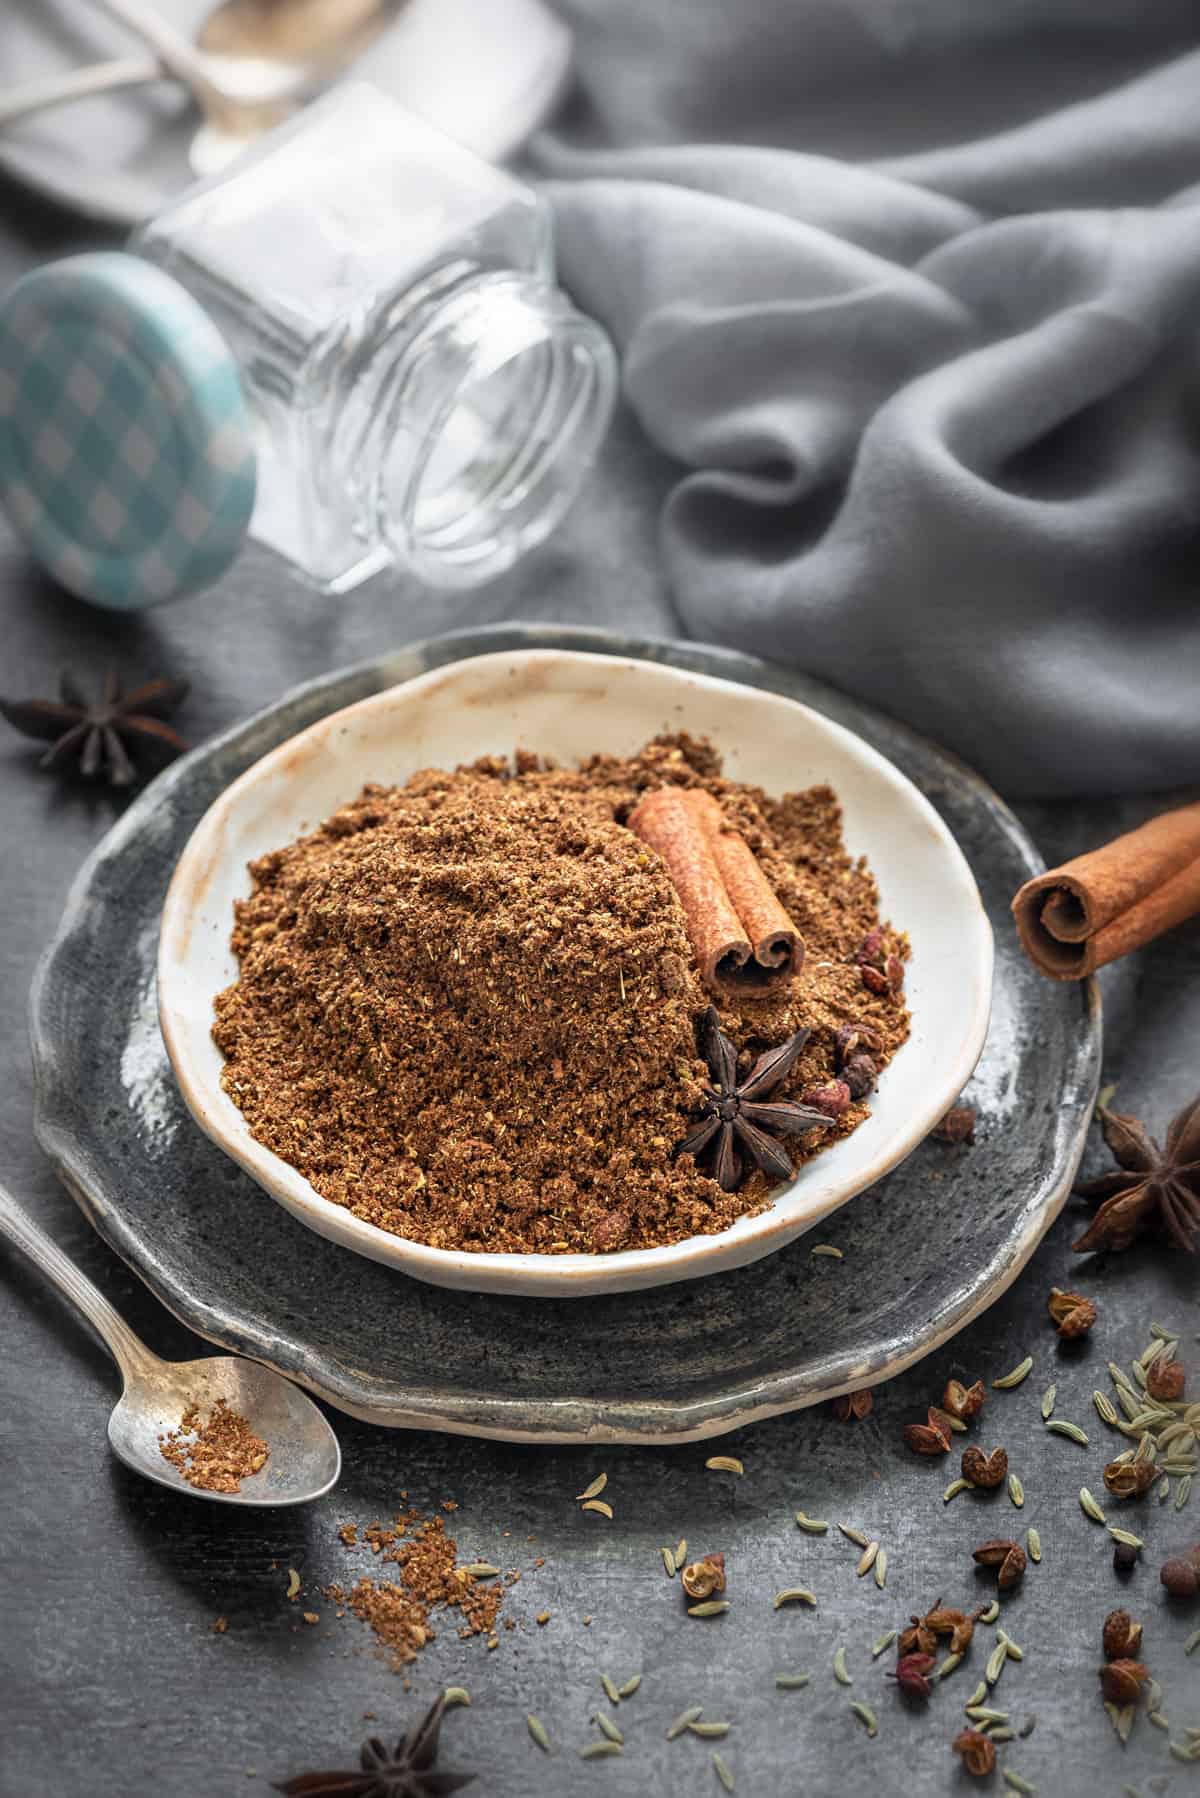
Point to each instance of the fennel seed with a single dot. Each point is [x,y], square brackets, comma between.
[682,1720]
[610,1689]
[607,1727]
[709,1607]
[867,1559]
[1034,1543]
[793,1595]
[721,1769]
[597,1504]
[1020,1372]
[668,1560]
[455,1695]
[855,1536]
[724,1464]
[594,1751]
[885,1641]
[1071,1430]
[881,1568]
[839,1668]
[827,1248]
[595,1489]
[815,1526]
[1048,1398]
[1016,1490]
[630,1686]
[1105,1407]
[954,1488]
[1090,1507]
[1125,1536]
[792,1682]
[866,1716]
[714,1731]
[537,1730]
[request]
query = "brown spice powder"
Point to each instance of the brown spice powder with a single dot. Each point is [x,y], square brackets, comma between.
[428,1578]
[466,1006]
[216,1454]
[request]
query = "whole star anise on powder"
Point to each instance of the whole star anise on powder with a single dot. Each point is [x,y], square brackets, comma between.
[737,1114]
[1152,1184]
[103,735]
[407,1771]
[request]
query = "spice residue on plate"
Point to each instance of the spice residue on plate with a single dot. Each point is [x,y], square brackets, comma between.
[215,1453]
[467,1008]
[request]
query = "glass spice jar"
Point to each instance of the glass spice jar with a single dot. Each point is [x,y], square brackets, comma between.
[420,391]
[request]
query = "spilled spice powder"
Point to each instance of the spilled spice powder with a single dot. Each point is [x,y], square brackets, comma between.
[428,1578]
[216,1454]
[466,1007]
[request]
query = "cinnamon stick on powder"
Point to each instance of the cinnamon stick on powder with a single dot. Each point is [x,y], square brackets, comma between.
[742,937]
[1100,906]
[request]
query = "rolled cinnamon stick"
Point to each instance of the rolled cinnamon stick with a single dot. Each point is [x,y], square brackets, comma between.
[1100,906]
[742,937]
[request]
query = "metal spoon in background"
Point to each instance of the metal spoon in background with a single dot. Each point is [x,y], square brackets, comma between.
[305,1459]
[250,71]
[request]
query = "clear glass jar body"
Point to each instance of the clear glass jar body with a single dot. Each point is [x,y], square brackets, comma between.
[421,391]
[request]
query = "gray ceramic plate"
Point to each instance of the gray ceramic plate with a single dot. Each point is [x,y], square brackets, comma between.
[924,1251]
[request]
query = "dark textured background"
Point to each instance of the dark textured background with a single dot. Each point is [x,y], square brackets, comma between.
[112,1682]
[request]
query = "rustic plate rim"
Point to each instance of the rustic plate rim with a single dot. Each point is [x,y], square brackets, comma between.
[603,1419]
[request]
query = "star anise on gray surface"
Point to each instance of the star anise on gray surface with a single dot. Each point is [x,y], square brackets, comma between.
[104,735]
[1152,1185]
[740,1116]
[407,1771]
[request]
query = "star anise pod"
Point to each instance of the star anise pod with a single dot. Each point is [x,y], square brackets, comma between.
[1152,1185]
[737,1114]
[102,735]
[407,1771]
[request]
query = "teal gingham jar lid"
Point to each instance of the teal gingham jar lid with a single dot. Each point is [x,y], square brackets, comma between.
[126,460]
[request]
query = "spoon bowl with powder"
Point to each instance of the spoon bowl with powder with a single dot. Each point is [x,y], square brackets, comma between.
[222,1427]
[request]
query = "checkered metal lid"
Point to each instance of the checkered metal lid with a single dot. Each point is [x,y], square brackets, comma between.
[126,461]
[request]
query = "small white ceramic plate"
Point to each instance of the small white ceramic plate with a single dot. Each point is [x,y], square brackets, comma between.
[567,705]
[486,72]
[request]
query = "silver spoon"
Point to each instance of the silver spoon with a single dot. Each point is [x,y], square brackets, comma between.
[247,70]
[305,1459]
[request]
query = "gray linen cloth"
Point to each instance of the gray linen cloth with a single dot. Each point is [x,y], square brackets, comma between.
[908,292]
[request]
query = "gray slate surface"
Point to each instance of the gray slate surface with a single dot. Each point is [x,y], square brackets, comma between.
[113,1683]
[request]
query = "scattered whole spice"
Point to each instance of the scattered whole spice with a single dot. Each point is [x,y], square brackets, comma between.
[958,1125]
[1007,1557]
[1125,1557]
[1121,1681]
[1153,1186]
[853,1404]
[1015,1376]
[1122,1637]
[704,1577]
[922,1633]
[912,1674]
[1181,1574]
[217,1453]
[962,1401]
[1071,1314]
[926,1439]
[102,736]
[407,1771]
[1166,1379]
[1129,1479]
[977,1753]
[984,1470]
[465,1008]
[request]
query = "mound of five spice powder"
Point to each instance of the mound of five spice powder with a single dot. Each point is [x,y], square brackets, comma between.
[466,1006]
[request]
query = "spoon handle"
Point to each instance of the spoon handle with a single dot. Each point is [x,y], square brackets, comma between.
[171,47]
[128,1351]
[77,84]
